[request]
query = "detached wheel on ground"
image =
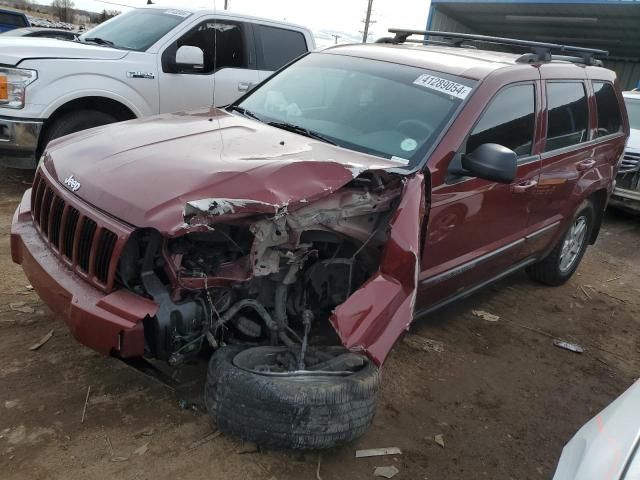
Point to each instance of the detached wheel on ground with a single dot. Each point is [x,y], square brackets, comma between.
[563,261]
[332,402]
[76,121]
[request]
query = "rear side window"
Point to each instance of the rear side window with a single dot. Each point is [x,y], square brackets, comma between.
[13,20]
[508,121]
[568,115]
[609,119]
[279,46]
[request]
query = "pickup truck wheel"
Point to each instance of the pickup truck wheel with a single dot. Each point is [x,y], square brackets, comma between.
[74,122]
[563,261]
[290,410]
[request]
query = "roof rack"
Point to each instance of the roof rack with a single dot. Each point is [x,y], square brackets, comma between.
[541,52]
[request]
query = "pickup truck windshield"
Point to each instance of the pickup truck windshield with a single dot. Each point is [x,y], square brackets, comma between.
[135,30]
[633,109]
[384,109]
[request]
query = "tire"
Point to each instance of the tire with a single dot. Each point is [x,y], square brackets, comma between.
[76,121]
[289,412]
[549,271]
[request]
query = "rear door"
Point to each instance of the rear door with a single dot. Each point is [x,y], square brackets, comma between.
[276,47]
[476,227]
[567,156]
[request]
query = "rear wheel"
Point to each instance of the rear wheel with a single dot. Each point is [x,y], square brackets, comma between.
[248,395]
[563,261]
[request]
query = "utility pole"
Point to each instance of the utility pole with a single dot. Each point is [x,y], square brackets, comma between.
[226,4]
[336,37]
[367,21]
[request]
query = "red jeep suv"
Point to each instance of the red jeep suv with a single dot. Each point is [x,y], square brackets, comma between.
[295,234]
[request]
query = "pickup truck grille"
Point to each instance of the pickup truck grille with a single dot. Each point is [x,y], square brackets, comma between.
[630,163]
[77,235]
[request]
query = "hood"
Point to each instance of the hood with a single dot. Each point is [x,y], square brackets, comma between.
[146,171]
[603,447]
[634,140]
[13,50]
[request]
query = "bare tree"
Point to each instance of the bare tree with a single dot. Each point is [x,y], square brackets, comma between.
[63,9]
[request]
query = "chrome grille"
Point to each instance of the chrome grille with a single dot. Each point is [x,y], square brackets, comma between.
[630,162]
[84,243]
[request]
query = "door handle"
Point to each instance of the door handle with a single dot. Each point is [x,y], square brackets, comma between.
[523,187]
[585,165]
[244,86]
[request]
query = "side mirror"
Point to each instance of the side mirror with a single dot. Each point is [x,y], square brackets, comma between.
[491,161]
[190,57]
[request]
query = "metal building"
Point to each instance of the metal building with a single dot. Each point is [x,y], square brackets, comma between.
[612,25]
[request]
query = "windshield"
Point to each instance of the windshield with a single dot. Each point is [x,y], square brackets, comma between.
[633,109]
[385,109]
[135,30]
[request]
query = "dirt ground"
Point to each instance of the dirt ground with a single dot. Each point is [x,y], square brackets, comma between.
[503,397]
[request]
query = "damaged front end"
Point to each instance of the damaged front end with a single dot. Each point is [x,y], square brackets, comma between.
[254,273]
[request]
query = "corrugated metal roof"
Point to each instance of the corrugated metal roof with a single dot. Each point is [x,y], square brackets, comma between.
[612,25]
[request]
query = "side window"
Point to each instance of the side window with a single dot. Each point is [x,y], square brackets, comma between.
[279,46]
[508,121]
[568,115]
[222,42]
[609,118]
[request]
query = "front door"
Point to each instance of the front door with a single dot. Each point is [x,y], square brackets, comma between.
[476,227]
[228,69]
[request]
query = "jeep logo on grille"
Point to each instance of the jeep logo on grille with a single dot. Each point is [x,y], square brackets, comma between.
[72,183]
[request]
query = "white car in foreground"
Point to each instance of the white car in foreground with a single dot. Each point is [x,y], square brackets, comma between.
[144,62]
[608,446]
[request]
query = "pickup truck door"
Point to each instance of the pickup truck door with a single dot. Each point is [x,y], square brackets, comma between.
[228,70]
[476,227]
[276,47]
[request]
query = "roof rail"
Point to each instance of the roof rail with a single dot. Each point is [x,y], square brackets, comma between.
[541,50]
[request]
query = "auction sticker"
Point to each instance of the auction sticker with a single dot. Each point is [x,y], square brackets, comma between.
[443,85]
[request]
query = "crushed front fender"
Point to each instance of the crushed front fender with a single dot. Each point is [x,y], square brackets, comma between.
[374,317]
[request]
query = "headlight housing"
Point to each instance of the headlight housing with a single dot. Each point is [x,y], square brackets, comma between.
[13,84]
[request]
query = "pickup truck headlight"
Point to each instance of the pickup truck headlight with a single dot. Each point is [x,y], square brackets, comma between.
[13,83]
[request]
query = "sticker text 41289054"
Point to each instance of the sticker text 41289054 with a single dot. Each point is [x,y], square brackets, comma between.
[443,85]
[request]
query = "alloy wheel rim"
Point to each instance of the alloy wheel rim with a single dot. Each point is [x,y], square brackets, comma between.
[573,244]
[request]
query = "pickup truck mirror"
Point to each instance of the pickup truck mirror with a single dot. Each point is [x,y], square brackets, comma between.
[190,57]
[491,161]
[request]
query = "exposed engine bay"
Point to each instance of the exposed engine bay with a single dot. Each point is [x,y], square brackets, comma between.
[239,277]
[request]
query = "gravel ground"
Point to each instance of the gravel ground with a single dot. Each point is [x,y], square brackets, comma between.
[503,397]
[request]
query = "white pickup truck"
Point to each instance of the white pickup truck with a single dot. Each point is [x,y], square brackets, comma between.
[146,61]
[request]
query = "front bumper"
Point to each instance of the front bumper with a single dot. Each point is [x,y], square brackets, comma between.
[627,199]
[108,323]
[19,142]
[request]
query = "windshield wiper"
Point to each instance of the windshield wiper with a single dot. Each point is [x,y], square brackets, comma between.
[243,111]
[100,41]
[302,131]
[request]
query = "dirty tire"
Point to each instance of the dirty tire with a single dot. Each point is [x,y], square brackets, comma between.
[548,271]
[76,121]
[289,412]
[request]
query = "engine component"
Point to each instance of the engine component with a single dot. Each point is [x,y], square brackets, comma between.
[174,329]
